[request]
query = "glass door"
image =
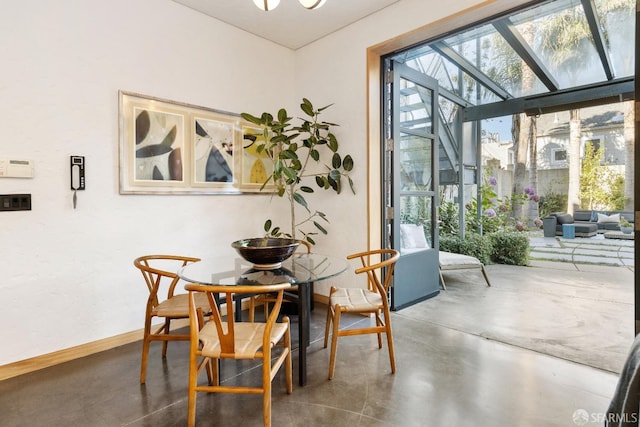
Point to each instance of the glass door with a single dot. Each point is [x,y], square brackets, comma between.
[411,180]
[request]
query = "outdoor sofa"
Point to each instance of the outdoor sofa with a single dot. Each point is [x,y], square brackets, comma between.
[590,222]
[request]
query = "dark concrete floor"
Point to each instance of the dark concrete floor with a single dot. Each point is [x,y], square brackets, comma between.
[445,377]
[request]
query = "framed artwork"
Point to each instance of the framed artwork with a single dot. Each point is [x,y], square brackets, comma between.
[256,167]
[167,147]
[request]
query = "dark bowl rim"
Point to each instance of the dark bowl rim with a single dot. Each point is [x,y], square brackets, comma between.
[242,243]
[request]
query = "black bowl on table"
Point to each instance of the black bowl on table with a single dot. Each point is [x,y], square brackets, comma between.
[266,252]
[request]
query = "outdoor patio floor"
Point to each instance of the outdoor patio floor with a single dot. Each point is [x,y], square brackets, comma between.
[583,250]
[574,301]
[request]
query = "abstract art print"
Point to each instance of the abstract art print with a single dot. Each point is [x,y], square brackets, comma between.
[169,147]
[213,151]
[159,146]
[257,167]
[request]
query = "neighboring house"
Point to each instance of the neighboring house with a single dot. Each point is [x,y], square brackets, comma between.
[602,126]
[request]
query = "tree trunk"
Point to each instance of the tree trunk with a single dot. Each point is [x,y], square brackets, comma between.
[532,207]
[629,136]
[520,151]
[573,194]
[522,139]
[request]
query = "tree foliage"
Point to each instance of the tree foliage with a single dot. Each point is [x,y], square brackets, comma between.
[292,150]
[600,186]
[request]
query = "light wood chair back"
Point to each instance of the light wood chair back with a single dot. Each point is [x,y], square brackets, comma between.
[372,301]
[160,276]
[222,337]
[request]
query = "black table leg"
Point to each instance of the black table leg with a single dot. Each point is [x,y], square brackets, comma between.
[304,320]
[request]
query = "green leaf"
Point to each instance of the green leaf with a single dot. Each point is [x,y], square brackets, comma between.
[320,181]
[280,191]
[351,185]
[300,200]
[278,138]
[276,232]
[324,108]
[315,155]
[307,107]
[289,154]
[266,118]
[333,142]
[333,183]
[267,225]
[347,163]
[282,116]
[322,215]
[290,173]
[306,189]
[253,119]
[336,161]
[319,227]
[335,174]
[310,240]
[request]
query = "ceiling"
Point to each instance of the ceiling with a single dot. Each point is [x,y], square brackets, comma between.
[290,24]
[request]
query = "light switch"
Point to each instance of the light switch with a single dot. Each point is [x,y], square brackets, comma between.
[15,202]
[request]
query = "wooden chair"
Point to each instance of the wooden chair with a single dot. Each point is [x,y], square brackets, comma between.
[364,301]
[266,299]
[227,339]
[159,272]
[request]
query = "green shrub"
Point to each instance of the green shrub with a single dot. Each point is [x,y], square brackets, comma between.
[552,202]
[474,245]
[510,248]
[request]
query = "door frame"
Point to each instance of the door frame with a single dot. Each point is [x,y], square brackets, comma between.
[375,90]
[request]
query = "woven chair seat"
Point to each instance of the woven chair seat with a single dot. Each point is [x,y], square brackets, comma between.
[248,339]
[356,299]
[178,306]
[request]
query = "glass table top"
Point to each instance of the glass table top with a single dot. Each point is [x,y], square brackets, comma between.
[233,270]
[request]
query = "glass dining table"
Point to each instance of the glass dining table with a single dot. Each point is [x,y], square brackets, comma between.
[301,269]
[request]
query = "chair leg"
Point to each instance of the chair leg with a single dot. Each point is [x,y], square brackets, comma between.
[215,369]
[379,334]
[392,354]
[167,328]
[252,308]
[145,351]
[327,325]
[191,399]
[444,288]
[486,276]
[334,342]
[266,392]
[288,364]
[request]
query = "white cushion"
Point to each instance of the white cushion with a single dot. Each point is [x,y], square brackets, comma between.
[451,261]
[412,236]
[615,218]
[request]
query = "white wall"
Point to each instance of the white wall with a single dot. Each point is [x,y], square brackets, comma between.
[68,274]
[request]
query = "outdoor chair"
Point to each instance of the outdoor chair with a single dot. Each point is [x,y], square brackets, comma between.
[159,272]
[364,301]
[224,338]
[458,262]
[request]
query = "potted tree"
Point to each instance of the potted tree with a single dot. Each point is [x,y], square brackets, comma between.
[300,154]
[625,226]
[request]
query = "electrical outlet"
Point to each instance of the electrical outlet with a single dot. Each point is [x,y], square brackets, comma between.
[15,202]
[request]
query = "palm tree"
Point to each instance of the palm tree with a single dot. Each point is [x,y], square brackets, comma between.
[629,138]
[561,37]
